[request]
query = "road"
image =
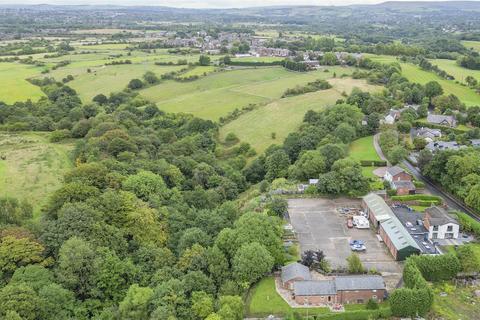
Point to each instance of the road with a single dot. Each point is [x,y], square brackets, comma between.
[431,187]
[378,149]
[434,189]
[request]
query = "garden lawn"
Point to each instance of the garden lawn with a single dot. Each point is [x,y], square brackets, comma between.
[363,150]
[15,86]
[33,168]
[285,115]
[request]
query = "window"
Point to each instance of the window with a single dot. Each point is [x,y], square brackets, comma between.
[435,235]
[359,301]
[450,228]
[435,228]
[329,298]
[374,290]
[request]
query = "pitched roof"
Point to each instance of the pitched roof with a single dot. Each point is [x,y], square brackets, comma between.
[395,170]
[295,270]
[439,216]
[359,283]
[397,234]
[404,184]
[438,118]
[314,288]
[378,207]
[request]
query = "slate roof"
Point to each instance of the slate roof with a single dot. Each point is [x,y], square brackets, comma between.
[438,119]
[378,207]
[475,142]
[359,283]
[404,184]
[439,216]
[295,270]
[444,145]
[314,288]
[395,170]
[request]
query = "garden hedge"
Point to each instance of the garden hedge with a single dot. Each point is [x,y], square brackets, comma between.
[383,313]
[373,163]
[419,197]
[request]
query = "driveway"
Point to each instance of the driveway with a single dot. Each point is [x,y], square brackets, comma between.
[318,226]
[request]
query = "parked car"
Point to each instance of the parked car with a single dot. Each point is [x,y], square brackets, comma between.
[357,245]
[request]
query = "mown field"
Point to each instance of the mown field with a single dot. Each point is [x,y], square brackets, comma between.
[415,74]
[285,115]
[362,150]
[475,45]
[33,167]
[219,93]
[14,86]
[451,67]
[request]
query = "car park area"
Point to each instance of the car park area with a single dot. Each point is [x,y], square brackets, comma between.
[319,224]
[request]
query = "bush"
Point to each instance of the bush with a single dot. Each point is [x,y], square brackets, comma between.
[469,224]
[59,135]
[372,304]
[373,163]
[413,197]
[406,302]
[437,268]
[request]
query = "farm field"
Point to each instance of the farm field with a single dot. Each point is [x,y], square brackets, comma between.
[285,115]
[415,74]
[472,44]
[219,93]
[259,59]
[198,71]
[451,67]
[33,167]
[14,86]
[108,79]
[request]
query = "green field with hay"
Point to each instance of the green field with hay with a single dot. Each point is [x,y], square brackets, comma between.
[33,167]
[451,67]
[270,124]
[415,74]
[219,93]
[15,86]
[475,45]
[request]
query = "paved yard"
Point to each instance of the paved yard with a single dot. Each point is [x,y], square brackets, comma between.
[318,225]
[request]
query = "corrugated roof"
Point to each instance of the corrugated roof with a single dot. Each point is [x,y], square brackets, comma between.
[359,283]
[314,288]
[295,270]
[378,207]
[397,234]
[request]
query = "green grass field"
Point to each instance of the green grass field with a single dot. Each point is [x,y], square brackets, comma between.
[259,59]
[451,67]
[33,167]
[14,86]
[415,74]
[475,45]
[285,115]
[220,93]
[363,149]
[107,79]
[198,71]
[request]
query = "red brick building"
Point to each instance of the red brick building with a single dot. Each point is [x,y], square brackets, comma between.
[341,289]
[294,272]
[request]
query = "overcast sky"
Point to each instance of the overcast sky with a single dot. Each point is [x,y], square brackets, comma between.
[198,3]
